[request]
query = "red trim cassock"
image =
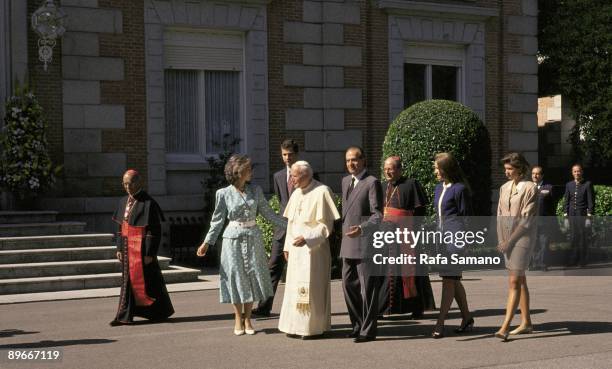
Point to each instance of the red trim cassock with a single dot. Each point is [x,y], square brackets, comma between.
[134,236]
[403,219]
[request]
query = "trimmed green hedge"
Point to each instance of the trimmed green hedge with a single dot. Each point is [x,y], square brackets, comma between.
[433,126]
[267,229]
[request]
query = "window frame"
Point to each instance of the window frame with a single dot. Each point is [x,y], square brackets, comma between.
[430,54]
[202,156]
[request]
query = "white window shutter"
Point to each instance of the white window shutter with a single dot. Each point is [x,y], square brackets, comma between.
[203,50]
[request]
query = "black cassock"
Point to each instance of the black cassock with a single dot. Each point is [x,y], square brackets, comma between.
[145,212]
[406,194]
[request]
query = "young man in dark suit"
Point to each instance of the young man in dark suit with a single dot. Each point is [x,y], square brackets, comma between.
[546,220]
[283,189]
[362,204]
[579,206]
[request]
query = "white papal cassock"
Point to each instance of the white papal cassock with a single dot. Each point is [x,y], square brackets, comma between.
[306,306]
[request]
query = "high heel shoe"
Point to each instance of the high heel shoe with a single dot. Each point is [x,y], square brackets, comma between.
[465,327]
[239,332]
[502,336]
[249,331]
[519,330]
[438,332]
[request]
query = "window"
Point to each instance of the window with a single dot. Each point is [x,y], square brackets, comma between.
[202,81]
[432,72]
[202,111]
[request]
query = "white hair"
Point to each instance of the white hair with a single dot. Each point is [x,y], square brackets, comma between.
[304,167]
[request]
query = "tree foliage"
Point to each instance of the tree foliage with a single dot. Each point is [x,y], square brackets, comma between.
[433,126]
[575,47]
[26,169]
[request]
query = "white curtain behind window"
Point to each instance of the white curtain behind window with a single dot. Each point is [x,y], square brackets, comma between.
[222,96]
[182,118]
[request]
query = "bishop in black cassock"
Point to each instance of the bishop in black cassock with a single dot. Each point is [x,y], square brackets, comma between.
[143,291]
[404,291]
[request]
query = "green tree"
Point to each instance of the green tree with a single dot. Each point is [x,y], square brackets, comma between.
[575,54]
[433,126]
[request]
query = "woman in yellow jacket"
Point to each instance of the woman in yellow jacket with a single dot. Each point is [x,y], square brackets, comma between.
[516,232]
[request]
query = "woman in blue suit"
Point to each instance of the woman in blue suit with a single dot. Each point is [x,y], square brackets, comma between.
[243,273]
[452,204]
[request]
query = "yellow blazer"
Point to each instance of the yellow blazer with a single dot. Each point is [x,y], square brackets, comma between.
[518,209]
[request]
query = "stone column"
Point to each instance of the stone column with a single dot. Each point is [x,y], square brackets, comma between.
[523,71]
[85,116]
[321,74]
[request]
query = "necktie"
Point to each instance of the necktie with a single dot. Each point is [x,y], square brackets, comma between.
[289,185]
[351,187]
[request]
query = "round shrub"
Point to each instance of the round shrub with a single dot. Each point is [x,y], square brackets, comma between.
[433,126]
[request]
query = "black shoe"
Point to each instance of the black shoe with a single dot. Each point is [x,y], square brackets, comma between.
[289,335]
[260,312]
[116,323]
[362,339]
[352,335]
[467,326]
[416,315]
[438,333]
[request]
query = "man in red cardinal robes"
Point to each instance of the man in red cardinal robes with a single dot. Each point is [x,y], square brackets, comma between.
[406,289]
[143,291]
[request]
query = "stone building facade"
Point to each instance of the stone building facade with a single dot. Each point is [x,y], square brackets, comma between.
[327,73]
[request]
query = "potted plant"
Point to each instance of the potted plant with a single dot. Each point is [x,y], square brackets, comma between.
[26,169]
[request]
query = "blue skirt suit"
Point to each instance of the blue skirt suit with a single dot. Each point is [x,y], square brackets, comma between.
[244,275]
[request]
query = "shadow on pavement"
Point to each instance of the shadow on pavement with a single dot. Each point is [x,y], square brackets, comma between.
[490,312]
[200,318]
[45,344]
[14,332]
[557,329]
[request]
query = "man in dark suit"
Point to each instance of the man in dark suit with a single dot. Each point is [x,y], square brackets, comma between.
[283,187]
[579,201]
[362,202]
[546,220]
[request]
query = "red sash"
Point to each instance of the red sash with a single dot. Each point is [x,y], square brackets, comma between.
[134,236]
[403,219]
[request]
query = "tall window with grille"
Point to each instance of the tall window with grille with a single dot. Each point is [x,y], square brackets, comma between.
[203,104]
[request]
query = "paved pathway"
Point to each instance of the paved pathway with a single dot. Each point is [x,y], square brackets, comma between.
[572,316]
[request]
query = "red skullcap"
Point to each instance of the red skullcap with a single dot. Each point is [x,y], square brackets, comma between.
[396,159]
[132,172]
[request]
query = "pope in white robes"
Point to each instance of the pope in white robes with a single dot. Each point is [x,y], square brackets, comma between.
[306,309]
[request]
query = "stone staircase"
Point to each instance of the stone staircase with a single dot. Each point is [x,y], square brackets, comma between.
[40,254]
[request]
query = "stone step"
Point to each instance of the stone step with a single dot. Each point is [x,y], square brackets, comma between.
[174,274]
[57,254]
[19,217]
[57,241]
[66,268]
[41,229]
